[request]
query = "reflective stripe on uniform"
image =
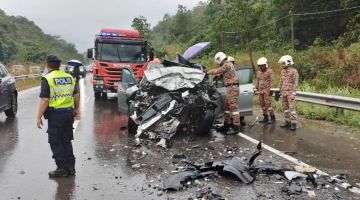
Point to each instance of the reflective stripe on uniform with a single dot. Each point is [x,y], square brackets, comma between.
[227,112]
[293,112]
[62,86]
[286,111]
[235,113]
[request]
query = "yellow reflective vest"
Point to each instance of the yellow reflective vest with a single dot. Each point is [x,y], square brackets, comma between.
[62,86]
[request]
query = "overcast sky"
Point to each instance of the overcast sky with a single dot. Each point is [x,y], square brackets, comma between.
[77,21]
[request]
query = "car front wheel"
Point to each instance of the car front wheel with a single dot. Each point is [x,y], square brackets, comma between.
[11,112]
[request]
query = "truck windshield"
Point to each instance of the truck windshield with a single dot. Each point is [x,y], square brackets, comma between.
[121,53]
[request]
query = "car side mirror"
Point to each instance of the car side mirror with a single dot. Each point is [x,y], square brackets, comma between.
[90,53]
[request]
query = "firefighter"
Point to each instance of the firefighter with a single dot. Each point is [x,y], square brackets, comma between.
[59,103]
[264,82]
[288,85]
[231,59]
[227,71]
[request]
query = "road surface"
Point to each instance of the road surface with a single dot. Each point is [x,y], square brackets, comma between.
[110,166]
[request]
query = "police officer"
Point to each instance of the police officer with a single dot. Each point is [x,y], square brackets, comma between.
[59,103]
[227,71]
[288,85]
[264,82]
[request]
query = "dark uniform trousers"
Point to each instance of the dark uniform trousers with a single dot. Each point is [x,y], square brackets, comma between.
[60,133]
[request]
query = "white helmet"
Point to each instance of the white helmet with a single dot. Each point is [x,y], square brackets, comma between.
[262,61]
[287,60]
[219,57]
[231,59]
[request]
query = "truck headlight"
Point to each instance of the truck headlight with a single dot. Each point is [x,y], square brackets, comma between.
[99,82]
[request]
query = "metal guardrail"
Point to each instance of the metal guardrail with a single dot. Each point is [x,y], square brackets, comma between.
[26,76]
[327,100]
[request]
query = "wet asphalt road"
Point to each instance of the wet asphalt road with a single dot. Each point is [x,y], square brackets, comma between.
[109,166]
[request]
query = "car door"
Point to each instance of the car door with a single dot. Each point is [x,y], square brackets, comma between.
[4,97]
[127,80]
[245,76]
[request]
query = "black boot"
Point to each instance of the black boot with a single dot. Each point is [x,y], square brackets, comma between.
[272,119]
[71,166]
[59,172]
[286,125]
[224,128]
[265,120]
[233,130]
[293,126]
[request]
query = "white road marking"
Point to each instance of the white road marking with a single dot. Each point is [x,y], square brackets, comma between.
[281,154]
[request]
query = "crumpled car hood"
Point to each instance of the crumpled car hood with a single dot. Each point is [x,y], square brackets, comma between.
[174,78]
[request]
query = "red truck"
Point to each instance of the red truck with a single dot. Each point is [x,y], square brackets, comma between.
[115,49]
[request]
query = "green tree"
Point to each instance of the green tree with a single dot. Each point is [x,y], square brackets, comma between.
[140,23]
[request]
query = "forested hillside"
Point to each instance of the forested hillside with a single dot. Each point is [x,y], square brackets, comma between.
[325,40]
[23,42]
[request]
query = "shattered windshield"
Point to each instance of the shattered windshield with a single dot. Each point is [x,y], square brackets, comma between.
[121,53]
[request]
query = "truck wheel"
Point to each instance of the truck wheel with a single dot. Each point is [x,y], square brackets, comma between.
[206,124]
[97,95]
[132,127]
[11,112]
[104,95]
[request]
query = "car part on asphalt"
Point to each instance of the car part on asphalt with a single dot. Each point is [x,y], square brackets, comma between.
[235,166]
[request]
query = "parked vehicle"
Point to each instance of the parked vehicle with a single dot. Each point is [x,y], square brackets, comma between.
[113,50]
[8,93]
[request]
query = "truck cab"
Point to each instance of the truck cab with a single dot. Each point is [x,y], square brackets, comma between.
[115,49]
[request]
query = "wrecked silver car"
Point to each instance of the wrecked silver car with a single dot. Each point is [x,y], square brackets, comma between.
[172,97]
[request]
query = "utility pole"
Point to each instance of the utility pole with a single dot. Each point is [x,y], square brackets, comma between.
[292,30]
[222,40]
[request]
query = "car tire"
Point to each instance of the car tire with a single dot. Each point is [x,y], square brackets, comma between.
[132,126]
[104,95]
[206,124]
[11,112]
[97,95]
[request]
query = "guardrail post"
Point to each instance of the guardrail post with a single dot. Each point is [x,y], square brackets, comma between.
[339,111]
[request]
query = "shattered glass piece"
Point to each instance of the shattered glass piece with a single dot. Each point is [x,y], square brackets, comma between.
[162,143]
[355,190]
[290,175]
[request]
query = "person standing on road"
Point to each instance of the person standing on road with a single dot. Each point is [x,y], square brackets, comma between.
[76,72]
[59,104]
[227,71]
[242,118]
[264,82]
[288,85]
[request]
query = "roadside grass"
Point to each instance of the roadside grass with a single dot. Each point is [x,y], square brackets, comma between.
[24,84]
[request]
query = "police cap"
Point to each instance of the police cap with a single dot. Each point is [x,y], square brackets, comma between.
[53,59]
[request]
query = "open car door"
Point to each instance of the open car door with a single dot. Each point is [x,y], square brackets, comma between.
[245,76]
[127,80]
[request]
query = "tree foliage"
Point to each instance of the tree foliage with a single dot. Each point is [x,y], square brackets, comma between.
[140,24]
[259,24]
[22,42]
